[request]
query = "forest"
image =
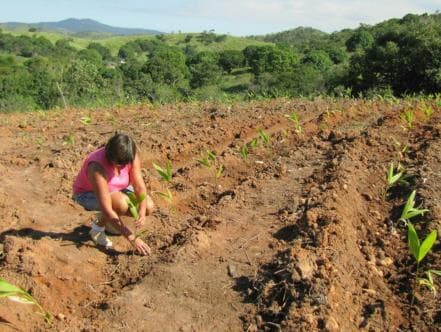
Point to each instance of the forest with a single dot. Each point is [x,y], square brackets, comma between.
[397,57]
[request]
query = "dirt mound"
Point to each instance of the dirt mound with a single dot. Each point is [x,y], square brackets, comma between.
[287,230]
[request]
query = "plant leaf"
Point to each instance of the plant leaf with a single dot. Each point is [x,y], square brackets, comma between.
[20,299]
[413,240]
[426,245]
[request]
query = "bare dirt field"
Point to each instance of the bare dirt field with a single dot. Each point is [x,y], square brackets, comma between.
[297,236]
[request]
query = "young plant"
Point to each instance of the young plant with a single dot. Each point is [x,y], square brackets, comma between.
[86,120]
[69,139]
[164,173]
[428,281]
[253,143]
[264,137]
[419,250]
[427,110]
[207,159]
[408,117]
[166,195]
[219,171]
[409,211]
[244,151]
[294,118]
[134,202]
[18,294]
[395,178]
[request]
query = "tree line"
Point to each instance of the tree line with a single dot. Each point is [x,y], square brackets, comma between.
[395,57]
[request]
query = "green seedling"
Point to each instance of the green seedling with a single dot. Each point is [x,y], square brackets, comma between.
[294,118]
[264,137]
[419,250]
[409,211]
[166,195]
[427,110]
[428,281]
[254,143]
[164,173]
[219,171]
[69,139]
[408,117]
[244,151]
[395,178]
[18,294]
[134,202]
[86,120]
[207,159]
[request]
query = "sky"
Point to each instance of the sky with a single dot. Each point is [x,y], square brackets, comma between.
[235,17]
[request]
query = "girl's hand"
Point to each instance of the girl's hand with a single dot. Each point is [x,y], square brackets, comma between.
[140,222]
[141,247]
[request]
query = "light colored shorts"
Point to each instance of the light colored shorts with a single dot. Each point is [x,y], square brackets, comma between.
[89,201]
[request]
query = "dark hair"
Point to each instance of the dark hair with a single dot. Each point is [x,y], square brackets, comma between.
[120,149]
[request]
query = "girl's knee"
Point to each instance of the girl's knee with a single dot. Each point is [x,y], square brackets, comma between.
[119,202]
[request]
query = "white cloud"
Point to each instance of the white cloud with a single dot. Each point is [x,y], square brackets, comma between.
[327,15]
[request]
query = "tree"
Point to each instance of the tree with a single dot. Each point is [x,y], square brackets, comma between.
[167,66]
[231,59]
[204,69]
[360,39]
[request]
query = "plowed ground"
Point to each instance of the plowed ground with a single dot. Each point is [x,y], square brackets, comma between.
[298,236]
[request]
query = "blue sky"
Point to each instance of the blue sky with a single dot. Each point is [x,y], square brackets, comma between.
[236,17]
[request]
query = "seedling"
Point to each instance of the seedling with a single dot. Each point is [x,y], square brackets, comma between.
[428,281]
[395,178]
[219,171]
[18,294]
[164,173]
[69,139]
[428,110]
[409,211]
[253,143]
[166,195]
[86,120]
[134,202]
[264,137]
[207,158]
[295,119]
[244,151]
[419,250]
[408,117]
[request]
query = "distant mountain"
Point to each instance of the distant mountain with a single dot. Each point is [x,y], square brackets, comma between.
[79,26]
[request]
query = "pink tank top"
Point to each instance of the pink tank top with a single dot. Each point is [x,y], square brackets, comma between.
[114,181]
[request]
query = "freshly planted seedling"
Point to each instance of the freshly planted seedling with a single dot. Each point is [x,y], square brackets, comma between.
[219,171]
[164,173]
[254,143]
[166,195]
[134,202]
[408,117]
[419,250]
[244,151]
[427,110]
[409,211]
[264,137]
[428,280]
[86,120]
[395,178]
[69,139]
[17,294]
[207,159]
[295,120]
